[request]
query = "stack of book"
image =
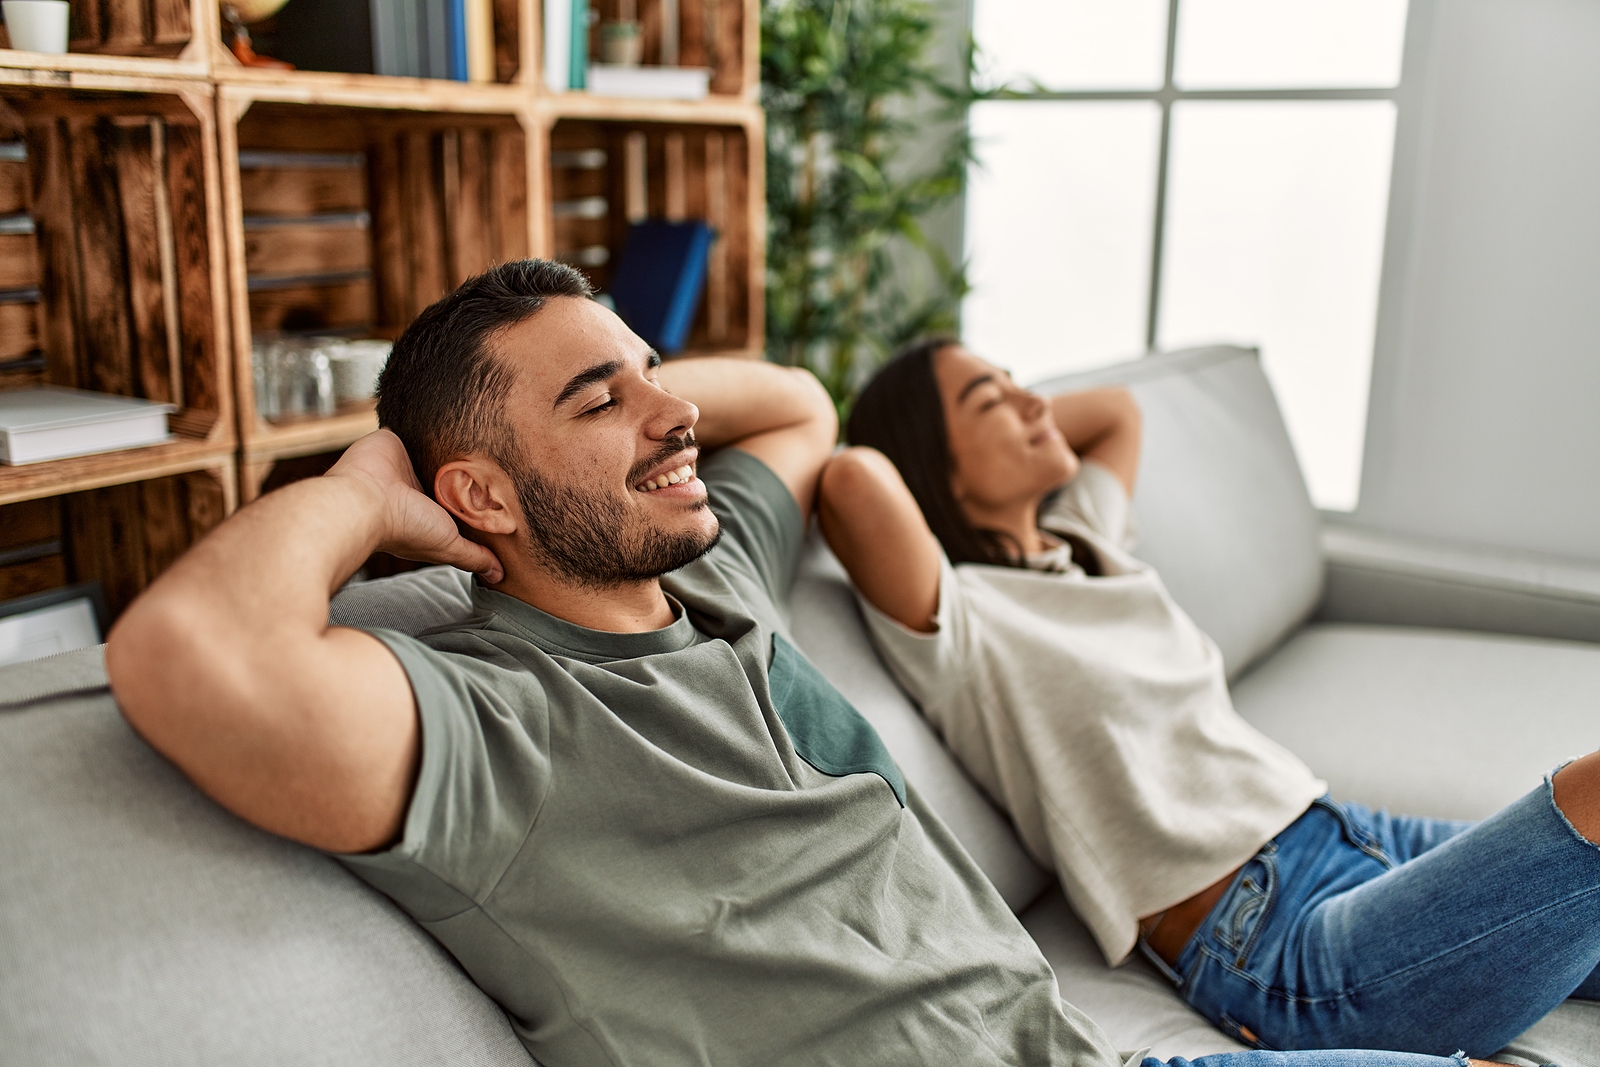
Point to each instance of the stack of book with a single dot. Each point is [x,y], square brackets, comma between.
[567,66]
[47,422]
[449,39]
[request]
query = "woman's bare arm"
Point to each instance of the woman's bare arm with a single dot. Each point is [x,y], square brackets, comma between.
[874,526]
[1103,425]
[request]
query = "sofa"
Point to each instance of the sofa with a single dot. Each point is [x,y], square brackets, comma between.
[142,924]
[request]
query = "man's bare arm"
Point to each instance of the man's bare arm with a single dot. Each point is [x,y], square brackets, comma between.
[1103,425]
[873,524]
[228,667]
[781,415]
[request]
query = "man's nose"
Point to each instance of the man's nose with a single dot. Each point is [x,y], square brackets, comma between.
[675,418]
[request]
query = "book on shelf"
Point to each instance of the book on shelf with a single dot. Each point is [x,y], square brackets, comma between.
[578,64]
[557,45]
[656,83]
[449,39]
[48,422]
[658,279]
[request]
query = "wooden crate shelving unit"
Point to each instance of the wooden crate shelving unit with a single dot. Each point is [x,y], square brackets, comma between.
[307,201]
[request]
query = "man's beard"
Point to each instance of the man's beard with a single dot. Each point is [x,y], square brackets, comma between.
[587,537]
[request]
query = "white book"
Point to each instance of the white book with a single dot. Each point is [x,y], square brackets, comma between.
[557,44]
[656,83]
[48,422]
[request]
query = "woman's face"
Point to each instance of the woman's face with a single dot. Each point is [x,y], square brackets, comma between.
[1004,443]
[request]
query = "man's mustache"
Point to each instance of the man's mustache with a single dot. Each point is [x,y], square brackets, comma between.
[670,447]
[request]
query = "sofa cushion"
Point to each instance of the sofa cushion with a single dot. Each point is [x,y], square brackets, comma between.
[1221,506]
[1426,722]
[142,924]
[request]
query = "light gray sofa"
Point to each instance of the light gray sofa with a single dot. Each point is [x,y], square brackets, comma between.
[141,924]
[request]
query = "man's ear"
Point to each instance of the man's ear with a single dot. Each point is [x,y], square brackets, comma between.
[479,493]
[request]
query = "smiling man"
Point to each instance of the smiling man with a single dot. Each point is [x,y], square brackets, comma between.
[637,816]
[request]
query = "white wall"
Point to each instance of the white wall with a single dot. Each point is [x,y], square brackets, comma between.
[1484,424]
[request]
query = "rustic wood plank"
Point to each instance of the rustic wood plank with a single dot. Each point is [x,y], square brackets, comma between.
[206,495]
[473,217]
[134,151]
[35,480]
[19,330]
[55,237]
[744,329]
[191,248]
[29,522]
[312,307]
[307,249]
[125,25]
[692,21]
[396,305]
[716,187]
[507,195]
[303,190]
[102,272]
[164,508]
[424,211]
[13,188]
[19,268]
[85,28]
[103,532]
[675,178]
[169,22]
[728,35]
[33,576]
[507,44]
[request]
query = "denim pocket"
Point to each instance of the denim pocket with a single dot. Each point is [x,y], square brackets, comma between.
[1238,919]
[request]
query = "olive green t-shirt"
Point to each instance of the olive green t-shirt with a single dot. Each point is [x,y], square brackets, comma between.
[685,847]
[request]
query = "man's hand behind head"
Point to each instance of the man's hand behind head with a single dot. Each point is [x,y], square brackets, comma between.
[417,527]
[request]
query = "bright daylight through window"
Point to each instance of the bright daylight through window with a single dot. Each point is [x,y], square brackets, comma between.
[1180,172]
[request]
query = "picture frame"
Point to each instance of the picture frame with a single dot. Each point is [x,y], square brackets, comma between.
[52,622]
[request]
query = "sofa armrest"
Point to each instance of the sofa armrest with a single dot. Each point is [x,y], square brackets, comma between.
[1378,577]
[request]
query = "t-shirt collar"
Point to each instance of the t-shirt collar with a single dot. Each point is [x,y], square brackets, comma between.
[559,637]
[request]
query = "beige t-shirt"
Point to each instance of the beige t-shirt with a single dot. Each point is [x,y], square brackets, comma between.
[1096,712]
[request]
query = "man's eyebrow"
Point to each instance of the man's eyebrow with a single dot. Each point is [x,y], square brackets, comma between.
[970,386]
[585,378]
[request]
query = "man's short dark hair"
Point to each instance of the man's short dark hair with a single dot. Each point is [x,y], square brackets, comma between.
[443,390]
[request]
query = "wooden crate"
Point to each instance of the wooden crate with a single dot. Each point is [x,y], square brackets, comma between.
[351,219]
[112,271]
[723,35]
[605,174]
[140,38]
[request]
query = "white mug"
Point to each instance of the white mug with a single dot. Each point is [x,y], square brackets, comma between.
[37,25]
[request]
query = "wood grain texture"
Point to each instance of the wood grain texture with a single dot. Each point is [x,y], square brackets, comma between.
[124,25]
[134,151]
[507,39]
[33,576]
[508,194]
[424,215]
[191,249]
[55,237]
[312,307]
[19,267]
[19,330]
[37,480]
[85,30]
[468,214]
[29,522]
[13,188]
[303,190]
[169,22]
[104,532]
[395,304]
[102,273]
[306,249]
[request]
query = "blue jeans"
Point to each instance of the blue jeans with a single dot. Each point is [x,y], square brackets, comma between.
[1360,929]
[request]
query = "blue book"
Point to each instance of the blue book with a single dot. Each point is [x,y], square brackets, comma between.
[658,280]
[578,64]
[458,40]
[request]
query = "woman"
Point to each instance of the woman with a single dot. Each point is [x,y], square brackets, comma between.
[987,531]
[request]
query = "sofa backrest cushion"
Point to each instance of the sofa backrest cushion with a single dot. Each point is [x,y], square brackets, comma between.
[826,625]
[142,924]
[1222,508]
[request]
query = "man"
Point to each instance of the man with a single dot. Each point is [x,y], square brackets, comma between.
[638,817]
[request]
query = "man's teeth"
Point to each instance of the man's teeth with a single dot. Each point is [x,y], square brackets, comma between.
[682,474]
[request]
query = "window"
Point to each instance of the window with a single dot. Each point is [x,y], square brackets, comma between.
[1181,172]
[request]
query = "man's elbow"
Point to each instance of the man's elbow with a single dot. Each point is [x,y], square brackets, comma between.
[816,406]
[155,655]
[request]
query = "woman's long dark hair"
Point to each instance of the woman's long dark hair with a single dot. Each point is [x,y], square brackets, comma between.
[901,415]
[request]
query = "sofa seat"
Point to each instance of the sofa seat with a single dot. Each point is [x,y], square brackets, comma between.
[1416,720]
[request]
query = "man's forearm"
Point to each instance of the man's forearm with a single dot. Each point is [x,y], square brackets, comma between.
[739,398]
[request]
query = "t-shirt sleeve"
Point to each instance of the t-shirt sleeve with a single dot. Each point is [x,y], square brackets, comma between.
[1095,499]
[926,664]
[762,527]
[484,771]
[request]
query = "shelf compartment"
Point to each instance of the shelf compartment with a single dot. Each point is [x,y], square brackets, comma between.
[352,220]
[722,35]
[605,175]
[111,259]
[154,38]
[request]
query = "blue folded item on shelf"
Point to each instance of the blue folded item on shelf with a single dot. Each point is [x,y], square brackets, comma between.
[659,277]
